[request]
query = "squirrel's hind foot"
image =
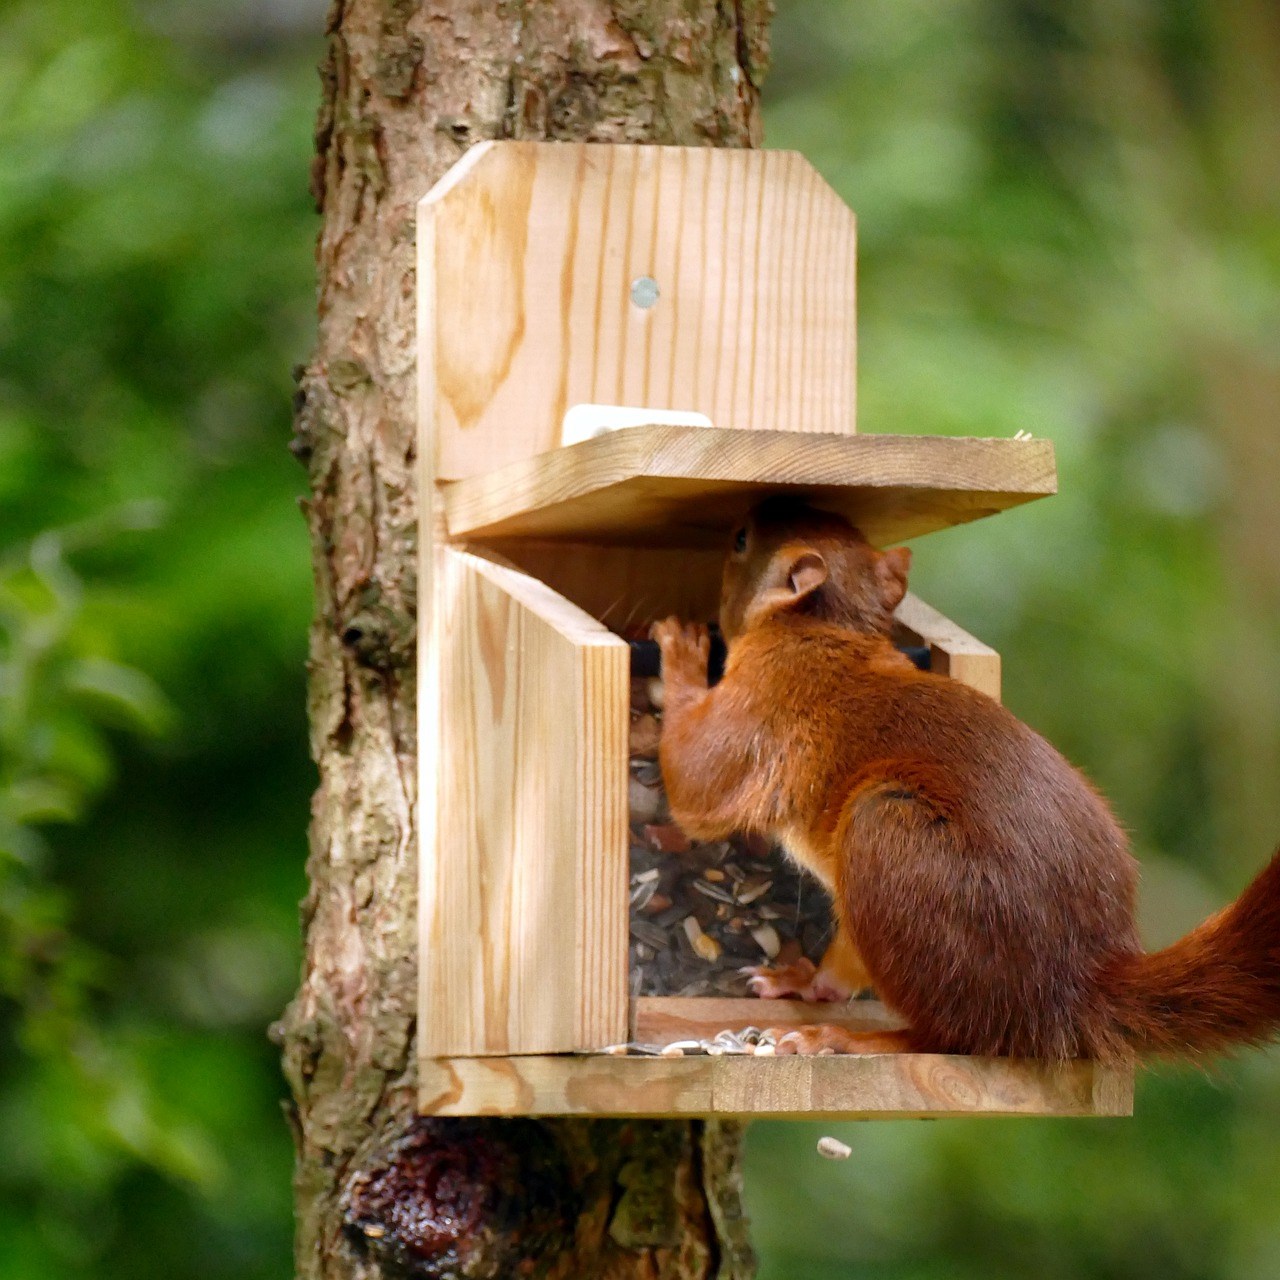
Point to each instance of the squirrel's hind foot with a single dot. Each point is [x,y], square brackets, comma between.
[822,1040]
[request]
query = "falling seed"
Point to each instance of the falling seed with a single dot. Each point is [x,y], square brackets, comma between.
[767,940]
[373,1231]
[655,692]
[834,1149]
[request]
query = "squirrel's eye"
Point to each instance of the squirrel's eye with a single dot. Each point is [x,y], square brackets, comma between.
[740,539]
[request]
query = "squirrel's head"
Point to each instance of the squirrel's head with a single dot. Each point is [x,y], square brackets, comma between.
[789,558]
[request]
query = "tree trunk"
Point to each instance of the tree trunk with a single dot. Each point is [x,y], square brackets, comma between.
[408,85]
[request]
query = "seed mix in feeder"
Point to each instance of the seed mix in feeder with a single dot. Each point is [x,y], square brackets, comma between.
[700,912]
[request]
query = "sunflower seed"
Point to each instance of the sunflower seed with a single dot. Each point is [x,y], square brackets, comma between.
[642,893]
[649,933]
[767,940]
[712,891]
[645,802]
[753,889]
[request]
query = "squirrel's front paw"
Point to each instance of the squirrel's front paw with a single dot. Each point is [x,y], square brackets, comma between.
[686,650]
[798,981]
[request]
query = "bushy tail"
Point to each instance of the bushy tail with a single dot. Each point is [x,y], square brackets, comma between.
[1216,988]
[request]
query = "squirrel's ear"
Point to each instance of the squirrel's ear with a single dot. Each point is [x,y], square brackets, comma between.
[793,575]
[891,574]
[807,573]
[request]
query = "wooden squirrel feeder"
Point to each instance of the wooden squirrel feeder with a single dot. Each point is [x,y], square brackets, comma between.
[557,277]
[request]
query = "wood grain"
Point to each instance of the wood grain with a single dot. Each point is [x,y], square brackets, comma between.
[885,1086]
[624,586]
[529,251]
[687,486]
[666,1019]
[524,819]
[952,651]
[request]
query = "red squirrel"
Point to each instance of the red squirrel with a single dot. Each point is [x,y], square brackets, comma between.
[981,884]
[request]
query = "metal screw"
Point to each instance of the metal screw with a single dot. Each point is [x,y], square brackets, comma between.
[644,291]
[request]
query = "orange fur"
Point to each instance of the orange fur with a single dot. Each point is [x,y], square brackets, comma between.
[984,884]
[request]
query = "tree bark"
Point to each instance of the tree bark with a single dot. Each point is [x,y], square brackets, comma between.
[408,85]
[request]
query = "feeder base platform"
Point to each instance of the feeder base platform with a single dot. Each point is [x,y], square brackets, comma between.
[884,1086]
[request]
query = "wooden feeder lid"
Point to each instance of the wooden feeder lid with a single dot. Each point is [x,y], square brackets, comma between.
[685,486]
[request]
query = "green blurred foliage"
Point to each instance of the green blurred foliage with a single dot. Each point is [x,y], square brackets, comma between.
[156,285]
[1068,220]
